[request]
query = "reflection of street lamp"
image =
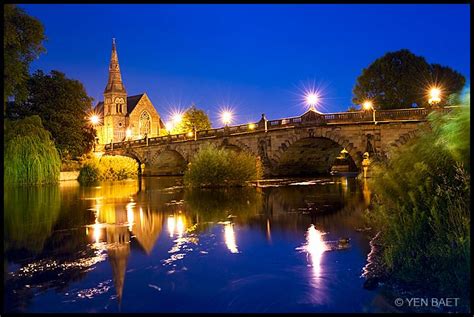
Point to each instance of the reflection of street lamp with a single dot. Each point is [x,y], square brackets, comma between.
[435,96]
[368,105]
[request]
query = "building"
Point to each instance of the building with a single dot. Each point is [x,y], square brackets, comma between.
[124,117]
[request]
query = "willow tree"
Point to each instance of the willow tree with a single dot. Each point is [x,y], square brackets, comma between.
[30,156]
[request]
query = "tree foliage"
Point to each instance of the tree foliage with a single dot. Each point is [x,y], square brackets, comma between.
[30,156]
[401,79]
[193,118]
[22,43]
[108,168]
[422,206]
[63,106]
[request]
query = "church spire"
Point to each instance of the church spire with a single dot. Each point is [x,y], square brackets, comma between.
[115,83]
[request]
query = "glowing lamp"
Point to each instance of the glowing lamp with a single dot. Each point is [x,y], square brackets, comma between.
[252,126]
[312,99]
[94,119]
[435,95]
[226,117]
[367,105]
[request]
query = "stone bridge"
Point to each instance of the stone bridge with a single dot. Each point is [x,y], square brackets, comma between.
[304,145]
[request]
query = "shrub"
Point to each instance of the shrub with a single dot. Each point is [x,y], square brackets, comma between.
[108,168]
[217,167]
[422,206]
[30,156]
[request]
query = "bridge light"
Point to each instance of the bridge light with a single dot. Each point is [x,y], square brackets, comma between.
[312,99]
[168,127]
[435,95]
[177,118]
[252,126]
[368,105]
[190,134]
[226,117]
[94,119]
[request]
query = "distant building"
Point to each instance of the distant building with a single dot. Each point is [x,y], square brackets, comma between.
[124,117]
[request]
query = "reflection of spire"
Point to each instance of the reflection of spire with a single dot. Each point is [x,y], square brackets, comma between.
[147,228]
[118,249]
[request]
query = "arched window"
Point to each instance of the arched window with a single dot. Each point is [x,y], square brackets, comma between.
[144,123]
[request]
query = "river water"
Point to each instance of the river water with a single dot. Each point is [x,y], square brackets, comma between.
[150,245]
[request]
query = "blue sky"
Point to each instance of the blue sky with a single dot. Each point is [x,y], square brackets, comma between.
[253,58]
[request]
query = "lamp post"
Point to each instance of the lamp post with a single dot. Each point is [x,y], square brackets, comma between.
[368,105]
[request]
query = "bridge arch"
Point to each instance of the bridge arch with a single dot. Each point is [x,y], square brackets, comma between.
[168,161]
[130,154]
[312,154]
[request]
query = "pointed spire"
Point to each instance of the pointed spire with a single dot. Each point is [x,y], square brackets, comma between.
[114,83]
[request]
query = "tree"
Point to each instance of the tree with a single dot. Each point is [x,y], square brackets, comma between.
[193,119]
[63,106]
[22,43]
[401,79]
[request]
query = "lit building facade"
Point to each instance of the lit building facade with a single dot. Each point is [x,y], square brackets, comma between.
[124,117]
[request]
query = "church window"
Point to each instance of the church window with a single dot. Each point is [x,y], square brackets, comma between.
[144,123]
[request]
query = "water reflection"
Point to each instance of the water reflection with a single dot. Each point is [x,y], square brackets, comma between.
[229,237]
[315,246]
[156,220]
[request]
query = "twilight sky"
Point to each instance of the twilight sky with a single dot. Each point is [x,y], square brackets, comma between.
[253,58]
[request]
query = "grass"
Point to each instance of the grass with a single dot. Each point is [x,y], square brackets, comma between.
[421,206]
[220,167]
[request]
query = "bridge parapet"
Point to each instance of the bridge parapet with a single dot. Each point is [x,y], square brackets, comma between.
[310,118]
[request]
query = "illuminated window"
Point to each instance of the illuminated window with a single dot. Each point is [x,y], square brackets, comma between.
[144,123]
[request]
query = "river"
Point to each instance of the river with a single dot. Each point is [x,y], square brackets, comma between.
[150,245]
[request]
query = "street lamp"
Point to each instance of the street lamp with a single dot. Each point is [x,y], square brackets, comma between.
[226,117]
[312,99]
[128,133]
[94,119]
[368,105]
[168,127]
[435,96]
[177,118]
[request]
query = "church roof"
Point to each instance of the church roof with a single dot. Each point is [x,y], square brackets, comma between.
[132,102]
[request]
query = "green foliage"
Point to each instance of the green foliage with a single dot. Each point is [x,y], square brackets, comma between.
[108,168]
[216,167]
[63,106]
[193,118]
[30,157]
[401,79]
[422,206]
[22,43]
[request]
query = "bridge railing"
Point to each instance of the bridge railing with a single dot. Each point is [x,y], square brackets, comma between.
[307,118]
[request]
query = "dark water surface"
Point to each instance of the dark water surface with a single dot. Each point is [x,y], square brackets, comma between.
[150,246]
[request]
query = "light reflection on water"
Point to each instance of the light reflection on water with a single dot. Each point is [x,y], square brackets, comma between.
[200,252]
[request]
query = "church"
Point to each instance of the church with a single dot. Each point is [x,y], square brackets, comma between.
[124,117]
